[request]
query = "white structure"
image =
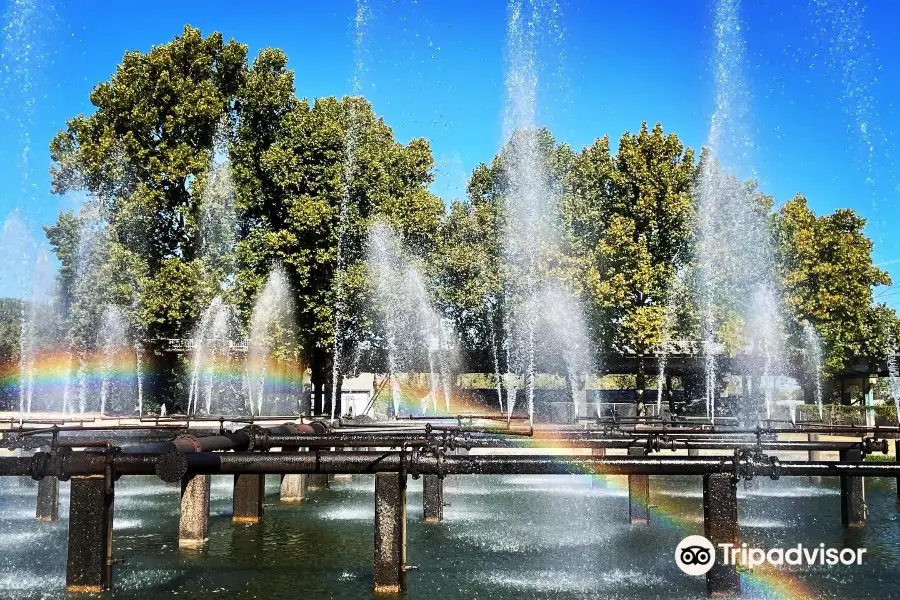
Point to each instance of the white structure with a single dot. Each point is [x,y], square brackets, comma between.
[357,393]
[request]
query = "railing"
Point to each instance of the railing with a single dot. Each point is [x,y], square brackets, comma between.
[191,345]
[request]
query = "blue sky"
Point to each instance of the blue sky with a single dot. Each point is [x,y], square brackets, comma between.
[822,88]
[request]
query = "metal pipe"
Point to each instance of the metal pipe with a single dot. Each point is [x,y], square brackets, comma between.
[176,465]
[396,441]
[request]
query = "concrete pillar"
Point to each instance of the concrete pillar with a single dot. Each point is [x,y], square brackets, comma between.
[638,493]
[292,487]
[853,493]
[249,494]
[89,565]
[316,481]
[433,498]
[598,480]
[47,510]
[720,526]
[389,571]
[193,526]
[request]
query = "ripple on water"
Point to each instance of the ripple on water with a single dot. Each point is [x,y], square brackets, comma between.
[21,580]
[143,491]
[763,523]
[17,514]
[787,492]
[681,493]
[349,513]
[532,539]
[567,582]
[581,489]
[119,524]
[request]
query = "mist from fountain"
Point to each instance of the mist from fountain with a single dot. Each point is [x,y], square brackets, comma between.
[415,335]
[531,211]
[735,282]
[119,381]
[361,22]
[814,352]
[272,330]
[210,357]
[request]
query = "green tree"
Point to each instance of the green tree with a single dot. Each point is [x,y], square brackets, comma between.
[630,216]
[290,161]
[827,278]
[143,156]
[475,282]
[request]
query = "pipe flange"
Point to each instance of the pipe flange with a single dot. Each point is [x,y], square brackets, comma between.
[40,465]
[439,465]
[413,463]
[192,439]
[776,468]
[111,452]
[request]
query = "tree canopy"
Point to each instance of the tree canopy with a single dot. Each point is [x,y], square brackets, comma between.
[193,127]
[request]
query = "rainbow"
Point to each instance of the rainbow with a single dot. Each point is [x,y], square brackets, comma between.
[765,582]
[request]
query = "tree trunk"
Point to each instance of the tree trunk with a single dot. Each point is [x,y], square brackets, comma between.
[641,384]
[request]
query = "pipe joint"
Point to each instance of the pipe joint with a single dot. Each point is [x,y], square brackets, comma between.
[872,445]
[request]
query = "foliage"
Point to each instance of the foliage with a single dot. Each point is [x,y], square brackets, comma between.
[631,216]
[143,156]
[307,179]
[827,277]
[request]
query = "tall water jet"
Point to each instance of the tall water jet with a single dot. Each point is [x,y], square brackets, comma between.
[210,345]
[495,351]
[118,383]
[38,338]
[563,343]
[414,332]
[139,375]
[764,338]
[87,302]
[361,21]
[814,350]
[218,216]
[272,338]
[734,255]
[894,375]
[531,202]
[665,343]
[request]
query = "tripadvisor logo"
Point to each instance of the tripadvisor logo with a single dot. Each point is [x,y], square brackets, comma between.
[696,555]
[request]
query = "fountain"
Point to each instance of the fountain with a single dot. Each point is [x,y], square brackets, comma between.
[211,355]
[414,332]
[118,378]
[361,21]
[218,218]
[894,375]
[734,255]
[530,224]
[814,350]
[272,338]
[38,339]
